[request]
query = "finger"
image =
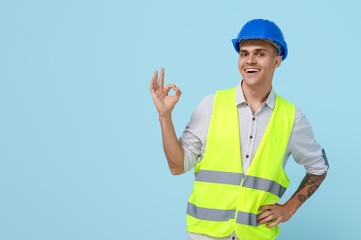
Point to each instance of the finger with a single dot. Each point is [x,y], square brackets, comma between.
[156,80]
[266,220]
[153,83]
[263,215]
[266,207]
[161,79]
[273,224]
[178,92]
[168,88]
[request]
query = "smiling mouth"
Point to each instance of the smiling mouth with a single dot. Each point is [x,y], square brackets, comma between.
[252,70]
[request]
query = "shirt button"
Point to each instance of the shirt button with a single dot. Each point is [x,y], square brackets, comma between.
[233,238]
[251,137]
[254,119]
[247,156]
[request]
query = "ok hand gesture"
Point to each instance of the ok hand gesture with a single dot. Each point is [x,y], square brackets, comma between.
[163,102]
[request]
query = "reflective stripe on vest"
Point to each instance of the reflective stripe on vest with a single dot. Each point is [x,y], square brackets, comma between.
[218,215]
[209,213]
[219,177]
[236,178]
[247,218]
[264,185]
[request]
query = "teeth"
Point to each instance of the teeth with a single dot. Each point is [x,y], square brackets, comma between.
[252,70]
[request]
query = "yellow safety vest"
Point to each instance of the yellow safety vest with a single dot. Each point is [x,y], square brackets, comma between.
[224,199]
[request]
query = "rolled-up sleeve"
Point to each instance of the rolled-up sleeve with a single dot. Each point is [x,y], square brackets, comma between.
[304,148]
[195,133]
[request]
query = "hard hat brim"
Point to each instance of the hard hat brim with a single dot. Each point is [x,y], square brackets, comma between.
[237,41]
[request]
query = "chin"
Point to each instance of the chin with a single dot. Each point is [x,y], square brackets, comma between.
[252,81]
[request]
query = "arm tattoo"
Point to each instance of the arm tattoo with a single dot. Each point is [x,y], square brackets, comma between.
[301,198]
[310,183]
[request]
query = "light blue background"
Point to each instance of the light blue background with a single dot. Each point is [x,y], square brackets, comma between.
[81,153]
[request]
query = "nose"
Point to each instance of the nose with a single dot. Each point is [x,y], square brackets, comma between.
[251,59]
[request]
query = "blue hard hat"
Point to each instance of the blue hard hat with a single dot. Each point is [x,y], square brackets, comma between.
[262,29]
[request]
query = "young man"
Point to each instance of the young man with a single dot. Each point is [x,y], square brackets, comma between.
[244,136]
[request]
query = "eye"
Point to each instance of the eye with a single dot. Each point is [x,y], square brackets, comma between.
[261,54]
[243,54]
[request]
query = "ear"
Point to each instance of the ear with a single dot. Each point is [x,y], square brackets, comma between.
[278,61]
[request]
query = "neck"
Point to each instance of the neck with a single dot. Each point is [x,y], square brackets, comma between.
[256,95]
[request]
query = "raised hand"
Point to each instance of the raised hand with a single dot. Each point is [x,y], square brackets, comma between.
[163,102]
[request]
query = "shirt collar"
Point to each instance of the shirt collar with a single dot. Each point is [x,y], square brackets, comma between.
[270,101]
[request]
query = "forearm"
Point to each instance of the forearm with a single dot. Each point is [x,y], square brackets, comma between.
[308,186]
[172,148]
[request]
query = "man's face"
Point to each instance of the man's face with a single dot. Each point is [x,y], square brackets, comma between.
[257,61]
